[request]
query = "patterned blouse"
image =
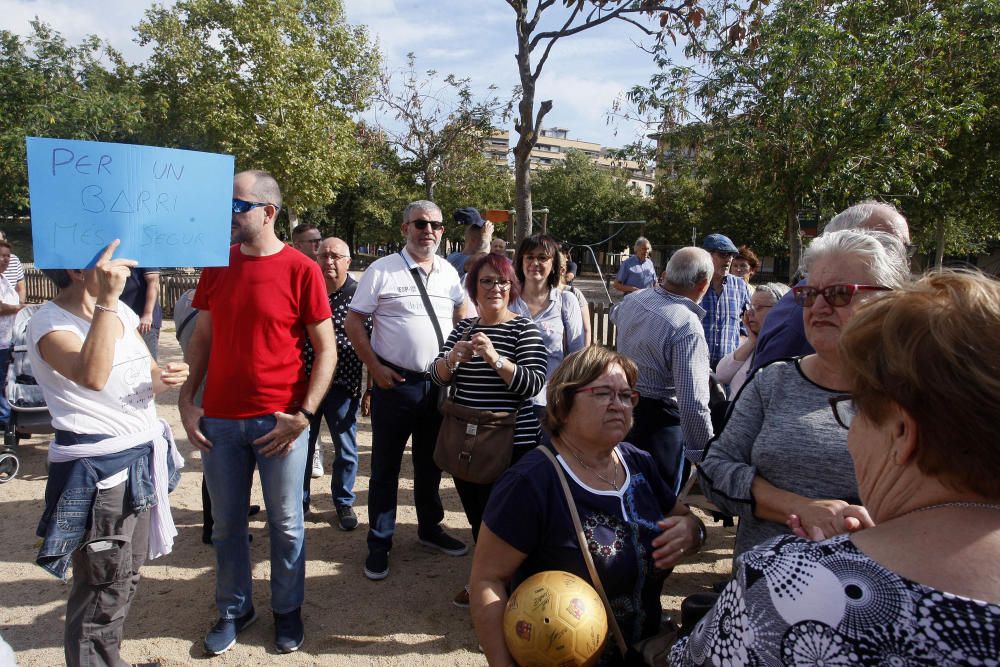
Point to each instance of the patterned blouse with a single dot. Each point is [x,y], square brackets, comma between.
[795,602]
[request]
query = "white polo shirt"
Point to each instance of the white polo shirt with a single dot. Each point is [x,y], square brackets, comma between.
[402,333]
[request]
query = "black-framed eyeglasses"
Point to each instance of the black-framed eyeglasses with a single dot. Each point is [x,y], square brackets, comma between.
[541,259]
[436,225]
[627,397]
[837,296]
[490,283]
[242,206]
[843,408]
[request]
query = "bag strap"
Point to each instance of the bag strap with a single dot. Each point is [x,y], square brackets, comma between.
[415,272]
[465,336]
[594,577]
[187,321]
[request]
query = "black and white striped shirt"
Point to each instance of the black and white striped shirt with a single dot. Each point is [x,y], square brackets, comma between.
[477,384]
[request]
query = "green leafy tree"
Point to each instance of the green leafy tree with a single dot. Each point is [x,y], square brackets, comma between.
[827,104]
[583,197]
[437,124]
[539,24]
[53,89]
[274,83]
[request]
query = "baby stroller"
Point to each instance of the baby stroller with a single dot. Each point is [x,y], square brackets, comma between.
[28,413]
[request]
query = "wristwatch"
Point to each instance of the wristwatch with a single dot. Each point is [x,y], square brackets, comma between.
[309,415]
[498,364]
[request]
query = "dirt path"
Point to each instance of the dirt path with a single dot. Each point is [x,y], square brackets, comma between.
[405,619]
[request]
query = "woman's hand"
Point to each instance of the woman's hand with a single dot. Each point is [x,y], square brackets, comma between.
[751,336]
[463,351]
[111,275]
[483,346]
[681,535]
[174,373]
[852,518]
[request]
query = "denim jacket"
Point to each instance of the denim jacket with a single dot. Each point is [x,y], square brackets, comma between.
[72,489]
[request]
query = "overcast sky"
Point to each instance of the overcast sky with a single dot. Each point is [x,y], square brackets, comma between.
[469,38]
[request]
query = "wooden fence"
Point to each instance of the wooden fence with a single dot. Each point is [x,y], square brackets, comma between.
[174,284]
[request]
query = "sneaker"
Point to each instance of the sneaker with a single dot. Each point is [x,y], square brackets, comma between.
[445,543]
[462,599]
[317,463]
[346,517]
[222,636]
[377,565]
[288,631]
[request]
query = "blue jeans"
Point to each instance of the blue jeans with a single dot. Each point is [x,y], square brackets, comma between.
[407,409]
[4,365]
[228,470]
[340,409]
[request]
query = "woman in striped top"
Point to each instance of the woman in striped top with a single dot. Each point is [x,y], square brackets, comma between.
[499,366]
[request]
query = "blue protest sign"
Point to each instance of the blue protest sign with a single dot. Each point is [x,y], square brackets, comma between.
[169,207]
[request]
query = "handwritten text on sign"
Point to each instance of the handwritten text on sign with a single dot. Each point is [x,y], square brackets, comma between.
[169,207]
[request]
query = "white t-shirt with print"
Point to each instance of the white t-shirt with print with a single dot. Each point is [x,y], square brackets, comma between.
[8,296]
[126,403]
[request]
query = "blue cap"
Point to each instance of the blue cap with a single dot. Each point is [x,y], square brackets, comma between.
[719,243]
[468,216]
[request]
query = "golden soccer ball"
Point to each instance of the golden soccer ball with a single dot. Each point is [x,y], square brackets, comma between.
[555,619]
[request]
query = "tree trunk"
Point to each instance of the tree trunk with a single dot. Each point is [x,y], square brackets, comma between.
[293,220]
[939,252]
[794,240]
[522,199]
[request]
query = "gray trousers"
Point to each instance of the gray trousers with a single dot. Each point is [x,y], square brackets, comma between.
[105,576]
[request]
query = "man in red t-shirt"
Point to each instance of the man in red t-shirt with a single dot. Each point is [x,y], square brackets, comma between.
[249,339]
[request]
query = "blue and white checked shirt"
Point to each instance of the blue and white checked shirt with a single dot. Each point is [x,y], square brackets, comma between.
[722,316]
[661,332]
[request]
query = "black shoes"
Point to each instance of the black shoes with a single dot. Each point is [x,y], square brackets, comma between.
[444,543]
[222,636]
[288,631]
[346,518]
[377,565]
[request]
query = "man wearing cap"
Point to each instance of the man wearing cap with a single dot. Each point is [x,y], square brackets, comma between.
[725,302]
[637,272]
[478,235]
[405,341]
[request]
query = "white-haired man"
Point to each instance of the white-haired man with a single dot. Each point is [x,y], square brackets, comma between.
[660,329]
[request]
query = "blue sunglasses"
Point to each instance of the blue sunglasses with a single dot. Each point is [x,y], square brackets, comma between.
[241,206]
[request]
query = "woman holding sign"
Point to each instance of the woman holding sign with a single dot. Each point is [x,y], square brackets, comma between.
[112,461]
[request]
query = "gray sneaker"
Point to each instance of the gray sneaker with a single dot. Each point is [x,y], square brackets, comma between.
[346,518]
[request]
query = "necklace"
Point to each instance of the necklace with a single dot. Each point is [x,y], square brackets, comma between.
[613,482]
[955,503]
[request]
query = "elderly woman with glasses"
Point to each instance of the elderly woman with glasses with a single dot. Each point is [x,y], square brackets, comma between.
[635,528]
[493,362]
[921,586]
[781,452]
[734,367]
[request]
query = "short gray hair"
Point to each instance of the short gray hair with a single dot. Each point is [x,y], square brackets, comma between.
[420,205]
[642,240]
[688,267]
[884,254]
[871,214]
[773,290]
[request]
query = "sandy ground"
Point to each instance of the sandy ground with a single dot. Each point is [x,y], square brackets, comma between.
[406,619]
